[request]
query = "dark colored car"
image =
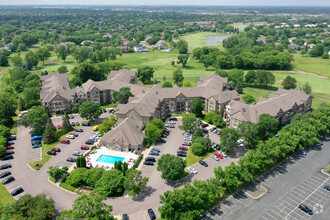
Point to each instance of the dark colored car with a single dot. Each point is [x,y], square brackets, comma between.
[10,143]
[205,131]
[125,217]
[152,214]
[154,153]
[11,138]
[305,209]
[85,124]
[155,149]
[186,143]
[204,125]
[104,110]
[149,163]
[203,163]
[77,124]
[53,153]
[162,140]
[10,147]
[36,146]
[302,152]
[181,155]
[65,141]
[182,151]
[152,159]
[17,191]
[71,117]
[70,159]
[327,187]
[79,130]
[10,152]
[5,166]
[4,174]
[173,119]
[84,147]
[73,123]
[56,149]
[89,142]
[35,134]
[7,157]
[36,142]
[8,180]
[74,134]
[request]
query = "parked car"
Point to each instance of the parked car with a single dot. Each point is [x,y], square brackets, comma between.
[125,217]
[327,187]
[112,111]
[77,124]
[36,142]
[217,147]
[4,174]
[70,159]
[186,143]
[162,140]
[164,135]
[79,130]
[36,146]
[10,143]
[149,163]
[70,136]
[59,127]
[187,138]
[10,152]
[62,117]
[89,142]
[203,163]
[215,158]
[155,149]
[56,149]
[173,119]
[8,180]
[10,147]
[36,138]
[84,147]
[152,159]
[95,128]
[204,125]
[192,170]
[71,117]
[215,130]
[218,155]
[152,214]
[5,166]
[73,123]
[17,191]
[52,153]
[223,154]
[302,152]
[205,131]
[11,137]
[182,151]
[305,209]
[154,153]
[35,134]
[183,148]
[85,124]
[65,141]
[169,125]
[77,153]
[7,157]
[212,129]
[187,134]
[181,154]
[104,110]
[74,134]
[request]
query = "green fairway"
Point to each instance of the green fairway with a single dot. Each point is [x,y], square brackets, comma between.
[195,40]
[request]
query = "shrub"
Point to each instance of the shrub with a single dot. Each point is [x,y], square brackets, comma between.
[138,161]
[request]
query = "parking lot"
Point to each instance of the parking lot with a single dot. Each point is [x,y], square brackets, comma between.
[297,180]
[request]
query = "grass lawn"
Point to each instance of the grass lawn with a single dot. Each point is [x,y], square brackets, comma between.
[67,186]
[195,39]
[192,159]
[5,196]
[2,68]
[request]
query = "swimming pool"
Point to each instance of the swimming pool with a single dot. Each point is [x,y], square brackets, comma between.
[109,159]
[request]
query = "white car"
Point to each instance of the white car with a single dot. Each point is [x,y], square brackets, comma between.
[187,139]
[215,158]
[70,136]
[192,170]
[223,154]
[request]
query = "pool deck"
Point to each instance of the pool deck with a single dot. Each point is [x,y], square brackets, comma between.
[91,160]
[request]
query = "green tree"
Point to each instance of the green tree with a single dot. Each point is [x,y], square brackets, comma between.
[145,73]
[178,77]
[43,54]
[49,134]
[87,70]
[182,46]
[172,167]
[267,126]
[62,69]
[190,123]
[78,177]
[154,130]
[197,134]
[289,83]
[62,52]
[228,140]
[134,181]
[328,168]
[32,57]
[123,95]
[307,88]
[198,149]
[250,77]
[88,207]
[57,172]
[17,61]
[66,125]
[8,106]
[82,54]
[94,175]
[249,99]
[183,59]
[264,78]
[90,110]
[167,84]
[107,124]
[111,183]
[197,107]
[249,132]
[36,119]
[207,60]
[186,84]
[3,60]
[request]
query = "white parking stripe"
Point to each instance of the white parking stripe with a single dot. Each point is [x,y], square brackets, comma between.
[270,216]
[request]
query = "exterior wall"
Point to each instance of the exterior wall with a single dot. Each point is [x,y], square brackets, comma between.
[58,104]
[99,96]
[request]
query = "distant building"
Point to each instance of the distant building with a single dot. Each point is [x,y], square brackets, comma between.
[160,45]
[140,48]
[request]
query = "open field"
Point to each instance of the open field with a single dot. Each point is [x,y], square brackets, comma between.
[195,40]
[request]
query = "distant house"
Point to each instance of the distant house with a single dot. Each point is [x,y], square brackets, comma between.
[311,45]
[147,37]
[140,48]
[296,26]
[124,49]
[262,39]
[160,45]
[66,44]
[85,41]
[107,35]
[125,42]
[295,47]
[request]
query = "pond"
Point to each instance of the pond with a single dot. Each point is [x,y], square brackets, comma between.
[215,39]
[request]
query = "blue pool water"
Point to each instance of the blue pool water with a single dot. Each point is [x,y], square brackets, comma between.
[110,159]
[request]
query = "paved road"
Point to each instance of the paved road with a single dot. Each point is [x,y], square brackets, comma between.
[297,180]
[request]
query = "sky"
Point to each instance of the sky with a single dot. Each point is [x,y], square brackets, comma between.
[171,2]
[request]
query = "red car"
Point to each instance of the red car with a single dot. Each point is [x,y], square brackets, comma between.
[59,127]
[56,149]
[204,125]
[183,148]
[9,147]
[65,141]
[75,134]
[84,147]
[218,155]
[168,131]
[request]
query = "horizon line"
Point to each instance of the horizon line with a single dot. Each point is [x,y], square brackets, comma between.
[164,5]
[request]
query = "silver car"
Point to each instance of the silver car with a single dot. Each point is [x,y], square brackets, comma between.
[77,153]
[215,158]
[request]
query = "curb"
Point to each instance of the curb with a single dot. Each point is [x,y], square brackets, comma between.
[325,172]
[61,187]
[261,195]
